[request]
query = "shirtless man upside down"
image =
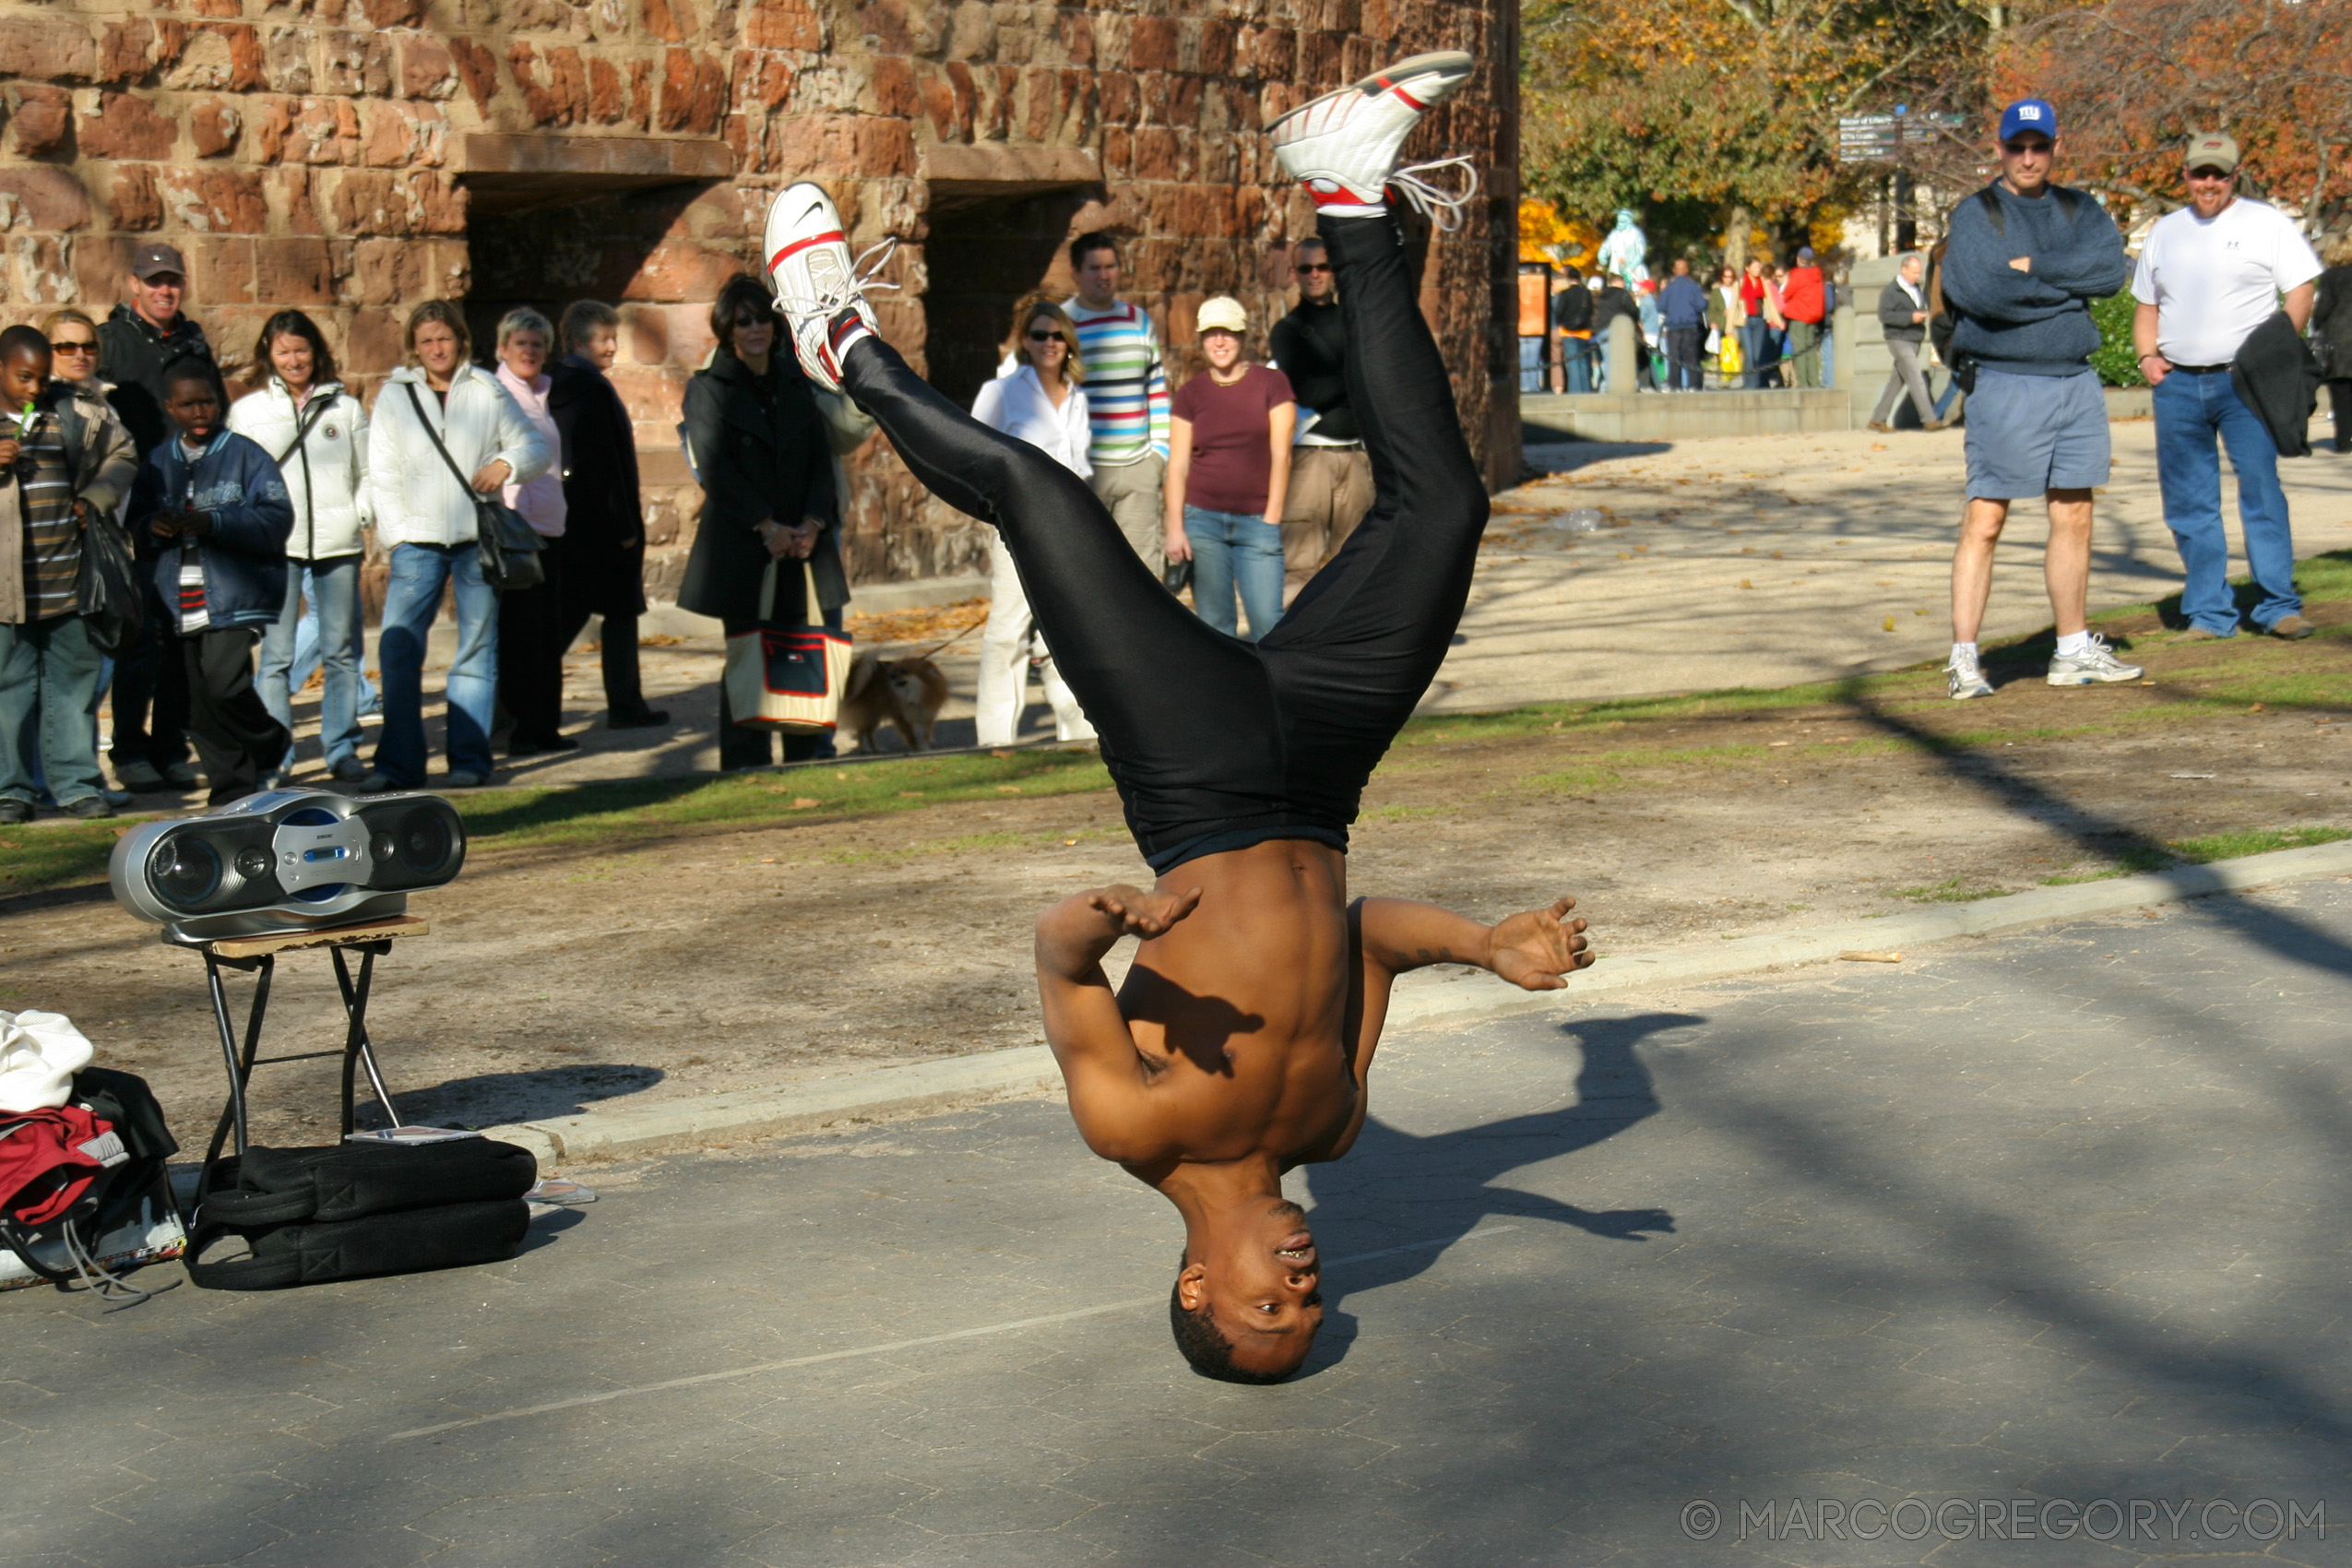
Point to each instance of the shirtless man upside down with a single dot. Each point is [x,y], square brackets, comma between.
[1239,1046]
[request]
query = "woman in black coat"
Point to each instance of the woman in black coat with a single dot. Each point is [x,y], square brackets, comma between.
[602,544]
[760,450]
[2332,328]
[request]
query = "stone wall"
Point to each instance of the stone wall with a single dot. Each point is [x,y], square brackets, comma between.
[354,156]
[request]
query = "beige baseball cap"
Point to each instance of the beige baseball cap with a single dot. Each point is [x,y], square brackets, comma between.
[2212,149]
[1224,313]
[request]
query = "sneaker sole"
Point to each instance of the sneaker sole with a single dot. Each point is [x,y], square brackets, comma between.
[1970,697]
[1386,80]
[2086,679]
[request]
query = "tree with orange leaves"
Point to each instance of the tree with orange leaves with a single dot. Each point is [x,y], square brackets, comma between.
[1708,115]
[2132,79]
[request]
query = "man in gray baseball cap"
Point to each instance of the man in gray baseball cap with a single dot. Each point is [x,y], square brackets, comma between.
[2210,274]
[137,346]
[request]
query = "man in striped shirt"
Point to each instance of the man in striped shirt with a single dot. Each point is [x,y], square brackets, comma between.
[1126,397]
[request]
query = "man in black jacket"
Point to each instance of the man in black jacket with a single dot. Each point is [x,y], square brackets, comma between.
[1331,482]
[137,347]
[1572,319]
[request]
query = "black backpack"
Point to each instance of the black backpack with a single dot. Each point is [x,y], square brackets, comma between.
[133,1194]
[351,1210]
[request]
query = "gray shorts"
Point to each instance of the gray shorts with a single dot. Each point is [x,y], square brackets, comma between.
[2031,433]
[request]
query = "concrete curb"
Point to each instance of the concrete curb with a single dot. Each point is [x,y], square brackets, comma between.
[957,1081]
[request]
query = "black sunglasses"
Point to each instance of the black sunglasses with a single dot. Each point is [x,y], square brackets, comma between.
[1045,337]
[1312,267]
[57,348]
[2194,173]
[751,318]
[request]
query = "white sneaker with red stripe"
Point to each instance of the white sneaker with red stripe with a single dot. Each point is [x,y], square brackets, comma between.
[818,290]
[1342,146]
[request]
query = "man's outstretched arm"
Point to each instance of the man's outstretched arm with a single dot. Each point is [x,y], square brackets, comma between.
[1089,1035]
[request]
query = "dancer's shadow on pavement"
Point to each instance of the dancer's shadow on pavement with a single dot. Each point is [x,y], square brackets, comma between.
[1421,1194]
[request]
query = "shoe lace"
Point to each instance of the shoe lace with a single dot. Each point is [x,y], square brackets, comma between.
[862,279]
[1442,208]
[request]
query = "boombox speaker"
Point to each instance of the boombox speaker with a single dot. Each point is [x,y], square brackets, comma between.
[287,860]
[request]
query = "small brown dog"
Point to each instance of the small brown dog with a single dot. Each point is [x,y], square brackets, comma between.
[905,694]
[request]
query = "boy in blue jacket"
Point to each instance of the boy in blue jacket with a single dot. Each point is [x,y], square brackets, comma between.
[217,507]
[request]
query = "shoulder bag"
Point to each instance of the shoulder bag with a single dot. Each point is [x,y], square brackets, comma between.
[510,546]
[791,679]
[106,585]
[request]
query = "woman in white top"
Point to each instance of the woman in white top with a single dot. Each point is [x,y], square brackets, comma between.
[531,622]
[1038,402]
[317,431]
[425,520]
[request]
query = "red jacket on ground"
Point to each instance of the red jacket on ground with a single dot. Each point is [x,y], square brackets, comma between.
[1801,296]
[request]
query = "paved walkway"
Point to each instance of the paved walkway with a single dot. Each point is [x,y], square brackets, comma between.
[1749,562]
[2036,1235]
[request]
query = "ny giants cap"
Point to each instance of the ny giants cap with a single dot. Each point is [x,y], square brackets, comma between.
[2212,149]
[150,261]
[2029,114]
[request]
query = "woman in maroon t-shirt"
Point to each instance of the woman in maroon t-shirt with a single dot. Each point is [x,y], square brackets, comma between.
[1228,472]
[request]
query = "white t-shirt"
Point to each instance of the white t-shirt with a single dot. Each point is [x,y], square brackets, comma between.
[2212,282]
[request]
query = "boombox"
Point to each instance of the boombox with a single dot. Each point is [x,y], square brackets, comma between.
[287,860]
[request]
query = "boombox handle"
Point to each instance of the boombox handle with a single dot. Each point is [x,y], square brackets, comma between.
[258,956]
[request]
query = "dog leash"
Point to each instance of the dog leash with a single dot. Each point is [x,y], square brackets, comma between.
[951,641]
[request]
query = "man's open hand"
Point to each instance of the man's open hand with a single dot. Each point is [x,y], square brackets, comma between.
[1133,912]
[1534,950]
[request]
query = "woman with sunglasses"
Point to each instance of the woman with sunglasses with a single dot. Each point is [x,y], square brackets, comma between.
[1038,401]
[761,447]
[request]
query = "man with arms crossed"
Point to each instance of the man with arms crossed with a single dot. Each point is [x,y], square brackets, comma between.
[2209,274]
[1237,1047]
[2025,260]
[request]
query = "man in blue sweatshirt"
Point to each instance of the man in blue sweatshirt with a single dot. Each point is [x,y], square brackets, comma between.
[1684,305]
[2025,260]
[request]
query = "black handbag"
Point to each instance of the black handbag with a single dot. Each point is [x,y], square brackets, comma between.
[508,546]
[350,1210]
[107,586]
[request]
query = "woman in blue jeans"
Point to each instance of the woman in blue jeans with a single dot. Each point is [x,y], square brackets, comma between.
[1228,473]
[442,435]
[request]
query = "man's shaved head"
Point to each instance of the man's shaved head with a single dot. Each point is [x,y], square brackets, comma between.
[1203,1344]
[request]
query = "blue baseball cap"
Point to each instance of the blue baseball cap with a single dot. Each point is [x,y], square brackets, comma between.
[2029,114]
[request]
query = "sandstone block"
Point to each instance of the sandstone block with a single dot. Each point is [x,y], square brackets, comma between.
[50,49]
[1116,98]
[356,62]
[694,91]
[971,33]
[436,204]
[664,20]
[884,27]
[406,135]
[220,57]
[44,269]
[43,196]
[215,201]
[100,264]
[641,91]
[394,13]
[125,51]
[894,88]
[363,204]
[40,119]
[291,207]
[286,58]
[426,69]
[783,24]
[478,68]
[214,126]
[292,272]
[681,269]
[132,199]
[608,100]
[129,127]
[371,345]
[1151,44]
[554,86]
[220,268]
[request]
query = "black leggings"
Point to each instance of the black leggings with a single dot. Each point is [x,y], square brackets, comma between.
[1216,744]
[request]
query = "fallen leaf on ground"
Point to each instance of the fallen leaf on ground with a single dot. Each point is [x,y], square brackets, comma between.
[1863,956]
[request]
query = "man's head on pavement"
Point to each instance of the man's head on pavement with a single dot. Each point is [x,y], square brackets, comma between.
[2028,145]
[1248,1297]
[2210,166]
[1310,265]
[159,282]
[1094,261]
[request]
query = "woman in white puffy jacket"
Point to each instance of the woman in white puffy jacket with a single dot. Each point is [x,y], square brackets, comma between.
[425,520]
[317,431]
[1038,401]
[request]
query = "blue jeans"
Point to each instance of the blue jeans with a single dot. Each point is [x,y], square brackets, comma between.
[50,667]
[1752,333]
[322,593]
[410,602]
[307,659]
[1235,550]
[1576,358]
[2190,410]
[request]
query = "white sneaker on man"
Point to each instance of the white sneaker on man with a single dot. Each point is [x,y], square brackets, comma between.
[2093,663]
[1343,146]
[1964,678]
[818,291]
